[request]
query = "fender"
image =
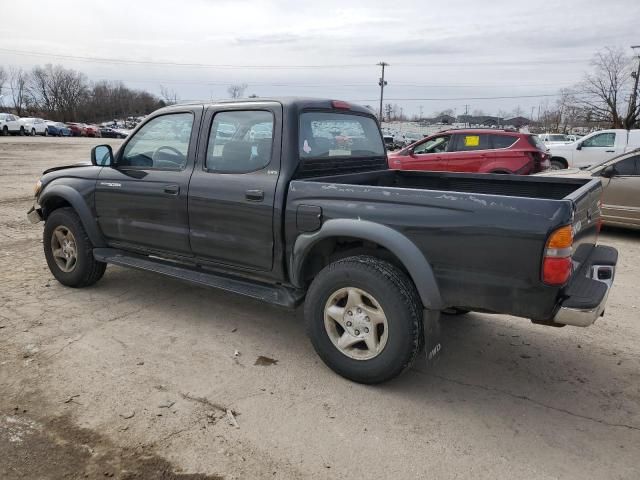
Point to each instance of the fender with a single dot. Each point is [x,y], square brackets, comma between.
[404,249]
[79,204]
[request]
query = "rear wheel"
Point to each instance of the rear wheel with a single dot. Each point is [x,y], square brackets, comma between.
[33,132]
[46,132]
[21,133]
[364,319]
[69,251]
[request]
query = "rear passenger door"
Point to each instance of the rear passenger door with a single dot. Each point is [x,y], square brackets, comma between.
[469,152]
[232,190]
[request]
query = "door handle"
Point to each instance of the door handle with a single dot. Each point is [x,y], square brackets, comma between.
[255,195]
[172,189]
[610,151]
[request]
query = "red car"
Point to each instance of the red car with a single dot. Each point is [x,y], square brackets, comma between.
[467,150]
[92,131]
[77,129]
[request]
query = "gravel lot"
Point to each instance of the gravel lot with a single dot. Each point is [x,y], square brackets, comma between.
[133,377]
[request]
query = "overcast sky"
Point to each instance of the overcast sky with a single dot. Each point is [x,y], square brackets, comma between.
[453,50]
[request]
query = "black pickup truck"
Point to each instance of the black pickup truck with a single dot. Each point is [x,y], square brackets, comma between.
[291,200]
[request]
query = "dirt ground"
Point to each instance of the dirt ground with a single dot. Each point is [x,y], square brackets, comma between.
[133,378]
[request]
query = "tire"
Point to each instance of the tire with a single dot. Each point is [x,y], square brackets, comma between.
[33,132]
[21,133]
[557,165]
[86,270]
[396,298]
[46,132]
[5,131]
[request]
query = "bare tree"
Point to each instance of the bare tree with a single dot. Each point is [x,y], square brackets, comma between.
[3,80]
[169,96]
[237,90]
[518,111]
[602,90]
[18,83]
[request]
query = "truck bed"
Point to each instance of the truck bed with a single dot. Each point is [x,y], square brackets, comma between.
[493,184]
[483,234]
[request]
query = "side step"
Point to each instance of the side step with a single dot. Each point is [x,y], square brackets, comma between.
[274,294]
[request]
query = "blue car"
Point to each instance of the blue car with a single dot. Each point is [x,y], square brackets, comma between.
[58,129]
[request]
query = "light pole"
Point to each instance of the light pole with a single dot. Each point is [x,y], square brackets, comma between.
[382,82]
[634,93]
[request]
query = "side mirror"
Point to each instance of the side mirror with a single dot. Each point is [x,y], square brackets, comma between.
[579,147]
[608,172]
[102,156]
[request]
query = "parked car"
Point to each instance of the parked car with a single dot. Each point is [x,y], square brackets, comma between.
[389,142]
[92,131]
[471,150]
[10,124]
[620,179]
[375,254]
[34,126]
[594,148]
[77,129]
[58,129]
[107,132]
[554,138]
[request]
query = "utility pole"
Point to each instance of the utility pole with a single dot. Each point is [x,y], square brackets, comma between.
[634,93]
[383,83]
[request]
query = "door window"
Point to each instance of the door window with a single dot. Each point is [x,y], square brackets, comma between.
[600,140]
[161,144]
[471,142]
[628,166]
[434,145]
[240,141]
[503,141]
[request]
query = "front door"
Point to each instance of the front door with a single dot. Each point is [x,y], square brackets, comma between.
[596,149]
[141,201]
[428,155]
[232,190]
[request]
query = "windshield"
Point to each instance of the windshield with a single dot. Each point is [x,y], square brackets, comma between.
[330,134]
[558,138]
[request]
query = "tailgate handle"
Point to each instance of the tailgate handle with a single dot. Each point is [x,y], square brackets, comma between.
[172,189]
[255,195]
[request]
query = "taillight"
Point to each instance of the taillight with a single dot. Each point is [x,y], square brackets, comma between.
[556,265]
[340,104]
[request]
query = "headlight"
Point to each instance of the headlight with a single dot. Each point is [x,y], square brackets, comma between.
[36,188]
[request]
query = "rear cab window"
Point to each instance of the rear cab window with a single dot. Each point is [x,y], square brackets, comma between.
[343,135]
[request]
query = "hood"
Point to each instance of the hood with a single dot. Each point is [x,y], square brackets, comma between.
[566,172]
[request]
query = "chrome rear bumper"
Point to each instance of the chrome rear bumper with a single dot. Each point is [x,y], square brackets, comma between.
[587,295]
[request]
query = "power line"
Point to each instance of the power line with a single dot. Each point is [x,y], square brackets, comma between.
[122,61]
[465,98]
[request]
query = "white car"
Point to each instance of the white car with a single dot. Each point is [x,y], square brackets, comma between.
[593,148]
[9,124]
[34,126]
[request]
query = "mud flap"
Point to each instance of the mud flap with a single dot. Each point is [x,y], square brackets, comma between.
[432,345]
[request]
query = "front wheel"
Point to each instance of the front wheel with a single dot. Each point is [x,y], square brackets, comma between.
[33,132]
[5,131]
[69,251]
[557,165]
[364,319]
[46,132]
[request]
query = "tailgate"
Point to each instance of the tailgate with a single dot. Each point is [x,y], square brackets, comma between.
[586,220]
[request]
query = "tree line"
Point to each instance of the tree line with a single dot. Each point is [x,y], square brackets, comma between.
[66,95]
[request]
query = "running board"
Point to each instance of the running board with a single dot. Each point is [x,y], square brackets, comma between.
[274,294]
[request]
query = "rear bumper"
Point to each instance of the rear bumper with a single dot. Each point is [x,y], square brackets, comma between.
[586,295]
